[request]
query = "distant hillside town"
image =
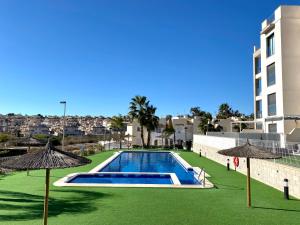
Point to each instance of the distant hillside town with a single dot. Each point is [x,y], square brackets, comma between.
[130,129]
[23,126]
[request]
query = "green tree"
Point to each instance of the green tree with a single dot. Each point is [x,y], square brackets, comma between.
[4,137]
[151,121]
[224,111]
[196,111]
[205,124]
[169,130]
[137,110]
[206,117]
[117,124]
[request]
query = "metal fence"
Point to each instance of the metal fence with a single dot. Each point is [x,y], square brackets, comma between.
[290,154]
[237,135]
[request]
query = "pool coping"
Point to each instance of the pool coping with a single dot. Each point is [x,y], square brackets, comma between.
[63,182]
[105,162]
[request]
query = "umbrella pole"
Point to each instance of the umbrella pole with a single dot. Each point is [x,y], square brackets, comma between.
[46,197]
[248,184]
[28,150]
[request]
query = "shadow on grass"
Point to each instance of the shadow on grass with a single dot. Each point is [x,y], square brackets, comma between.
[228,187]
[276,209]
[30,175]
[4,175]
[22,206]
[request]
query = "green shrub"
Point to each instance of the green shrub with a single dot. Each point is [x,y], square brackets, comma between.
[56,140]
[91,152]
[42,137]
[136,146]
[69,140]
[4,137]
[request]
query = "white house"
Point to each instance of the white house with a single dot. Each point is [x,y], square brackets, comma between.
[184,130]
[276,73]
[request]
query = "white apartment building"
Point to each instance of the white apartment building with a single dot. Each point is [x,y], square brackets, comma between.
[184,130]
[276,73]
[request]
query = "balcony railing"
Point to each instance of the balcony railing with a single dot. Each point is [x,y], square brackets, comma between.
[258,115]
[258,91]
[272,110]
[271,19]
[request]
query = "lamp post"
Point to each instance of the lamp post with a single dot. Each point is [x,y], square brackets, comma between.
[128,141]
[185,129]
[208,124]
[286,189]
[228,166]
[63,138]
[104,138]
[119,132]
[109,138]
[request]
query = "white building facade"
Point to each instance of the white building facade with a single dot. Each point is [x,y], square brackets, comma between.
[276,73]
[184,129]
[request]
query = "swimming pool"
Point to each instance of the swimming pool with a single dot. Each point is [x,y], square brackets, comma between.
[138,169]
[126,178]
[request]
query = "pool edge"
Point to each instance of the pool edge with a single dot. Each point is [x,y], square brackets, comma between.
[63,182]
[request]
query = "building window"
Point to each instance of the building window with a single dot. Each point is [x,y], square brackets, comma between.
[257,65]
[270,45]
[273,128]
[258,109]
[259,126]
[272,104]
[258,87]
[271,74]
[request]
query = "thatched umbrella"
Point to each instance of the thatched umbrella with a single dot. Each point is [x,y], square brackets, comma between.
[30,141]
[249,151]
[8,154]
[48,158]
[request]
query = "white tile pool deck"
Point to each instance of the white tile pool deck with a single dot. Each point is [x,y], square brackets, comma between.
[63,182]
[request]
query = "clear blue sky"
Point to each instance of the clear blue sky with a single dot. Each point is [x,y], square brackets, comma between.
[98,54]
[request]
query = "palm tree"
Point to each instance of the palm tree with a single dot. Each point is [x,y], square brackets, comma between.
[197,111]
[169,130]
[117,124]
[205,125]
[151,121]
[137,111]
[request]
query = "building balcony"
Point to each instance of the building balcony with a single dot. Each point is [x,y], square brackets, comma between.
[271,18]
[272,110]
[258,115]
[268,24]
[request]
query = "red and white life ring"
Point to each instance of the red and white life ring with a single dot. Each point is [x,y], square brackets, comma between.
[236,161]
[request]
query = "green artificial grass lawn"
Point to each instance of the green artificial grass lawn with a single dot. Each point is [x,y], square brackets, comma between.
[21,201]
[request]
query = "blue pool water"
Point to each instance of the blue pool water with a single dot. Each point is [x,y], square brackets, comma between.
[158,162]
[140,162]
[122,179]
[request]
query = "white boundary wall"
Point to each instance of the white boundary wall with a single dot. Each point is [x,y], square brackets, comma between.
[265,171]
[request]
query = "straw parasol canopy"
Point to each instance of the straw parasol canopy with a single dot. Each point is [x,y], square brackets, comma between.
[249,151]
[7,158]
[4,159]
[48,158]
[30,141]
